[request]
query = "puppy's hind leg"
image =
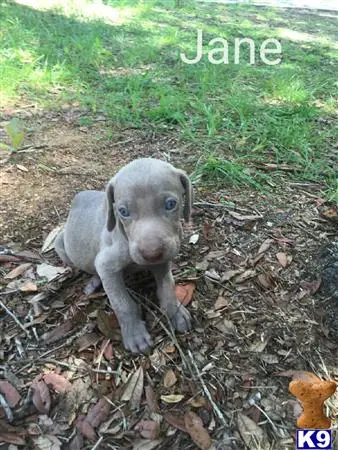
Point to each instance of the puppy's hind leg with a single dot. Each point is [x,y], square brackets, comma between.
[59,247]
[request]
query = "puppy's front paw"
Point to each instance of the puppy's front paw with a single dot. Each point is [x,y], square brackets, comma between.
[181,320]
[135,336]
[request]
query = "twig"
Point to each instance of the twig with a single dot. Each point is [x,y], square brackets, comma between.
[13,291]
[16,320]
[97,443]
[6,408]
[215,205]
[218,412]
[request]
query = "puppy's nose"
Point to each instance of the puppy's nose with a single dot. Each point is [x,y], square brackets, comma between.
[152,254]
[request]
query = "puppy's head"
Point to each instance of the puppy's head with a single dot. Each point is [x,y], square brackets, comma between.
[146,200]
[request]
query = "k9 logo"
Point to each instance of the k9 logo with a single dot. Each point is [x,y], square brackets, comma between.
[314,439]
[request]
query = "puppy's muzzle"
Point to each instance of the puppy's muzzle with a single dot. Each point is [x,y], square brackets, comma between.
[152,254]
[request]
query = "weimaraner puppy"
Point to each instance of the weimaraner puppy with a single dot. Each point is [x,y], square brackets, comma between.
[137,220]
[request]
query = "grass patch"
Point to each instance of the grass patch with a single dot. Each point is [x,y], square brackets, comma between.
[123,60]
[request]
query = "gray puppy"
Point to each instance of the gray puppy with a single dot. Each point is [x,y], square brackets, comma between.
[137,220]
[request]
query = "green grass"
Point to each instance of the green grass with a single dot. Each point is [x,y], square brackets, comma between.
[130,69]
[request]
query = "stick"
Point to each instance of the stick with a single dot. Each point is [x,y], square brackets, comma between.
[218,412]
[16,320]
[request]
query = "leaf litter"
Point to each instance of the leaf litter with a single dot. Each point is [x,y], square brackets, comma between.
[254,319]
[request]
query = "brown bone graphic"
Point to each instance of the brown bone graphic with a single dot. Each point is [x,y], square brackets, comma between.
[312,392]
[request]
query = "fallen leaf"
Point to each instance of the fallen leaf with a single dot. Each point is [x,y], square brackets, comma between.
[229,274]
[58,382]
[23,285]
[98,413]
[250,432]
[41,396]
[146,444]
[157,359]
[107,324]
[49,272]
[12,396]
[148,429]
[265,246]
[173,398]
[245,276]
[169,348]
[20,270]
[300,375]
[184,292]
[311,286]
[50,239]
[282,259]
[22,168]
[134,389]
[12,438]
[59,332]
[220,303]
[169,379]
[258,346]
[244,217]
[151,399]
[47,442]
[77,442]
[196,430]
[225,326]
[198,402]
[269,359]
[86,428]
[194,238]
[213,275]
[175,421]
[265,280]
[87,340]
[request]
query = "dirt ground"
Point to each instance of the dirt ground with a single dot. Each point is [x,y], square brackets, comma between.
[265,302]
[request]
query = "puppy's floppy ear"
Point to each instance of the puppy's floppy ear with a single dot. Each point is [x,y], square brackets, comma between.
[188,194]
[111,222]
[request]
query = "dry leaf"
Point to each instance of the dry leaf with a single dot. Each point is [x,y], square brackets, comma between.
[300,375]
[77,442]
[169,379]
[47,442]
[22,168]
[250,432]
[11,394]
[23,285]
[157,359]
[220,303]
[41,396]
[98,413]
[229,274]
[225,326]
[194,239]
[19,270]
[49,272]
[87,340]
[148,429]
[282,259]
[196,430]
[173,398]
[243,217]
[50,239]
[198,402]
[265,280]
[265,246]
[184,292]
[86,428]
[12,438]
[175,421]
[134,389]
[151,399]
[245,276]
[59,332]
[107,324]
[59,382]
[169,348]
[146,444]
[312,287]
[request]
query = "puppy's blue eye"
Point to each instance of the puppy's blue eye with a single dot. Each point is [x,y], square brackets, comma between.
[170,204]
[123,211]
